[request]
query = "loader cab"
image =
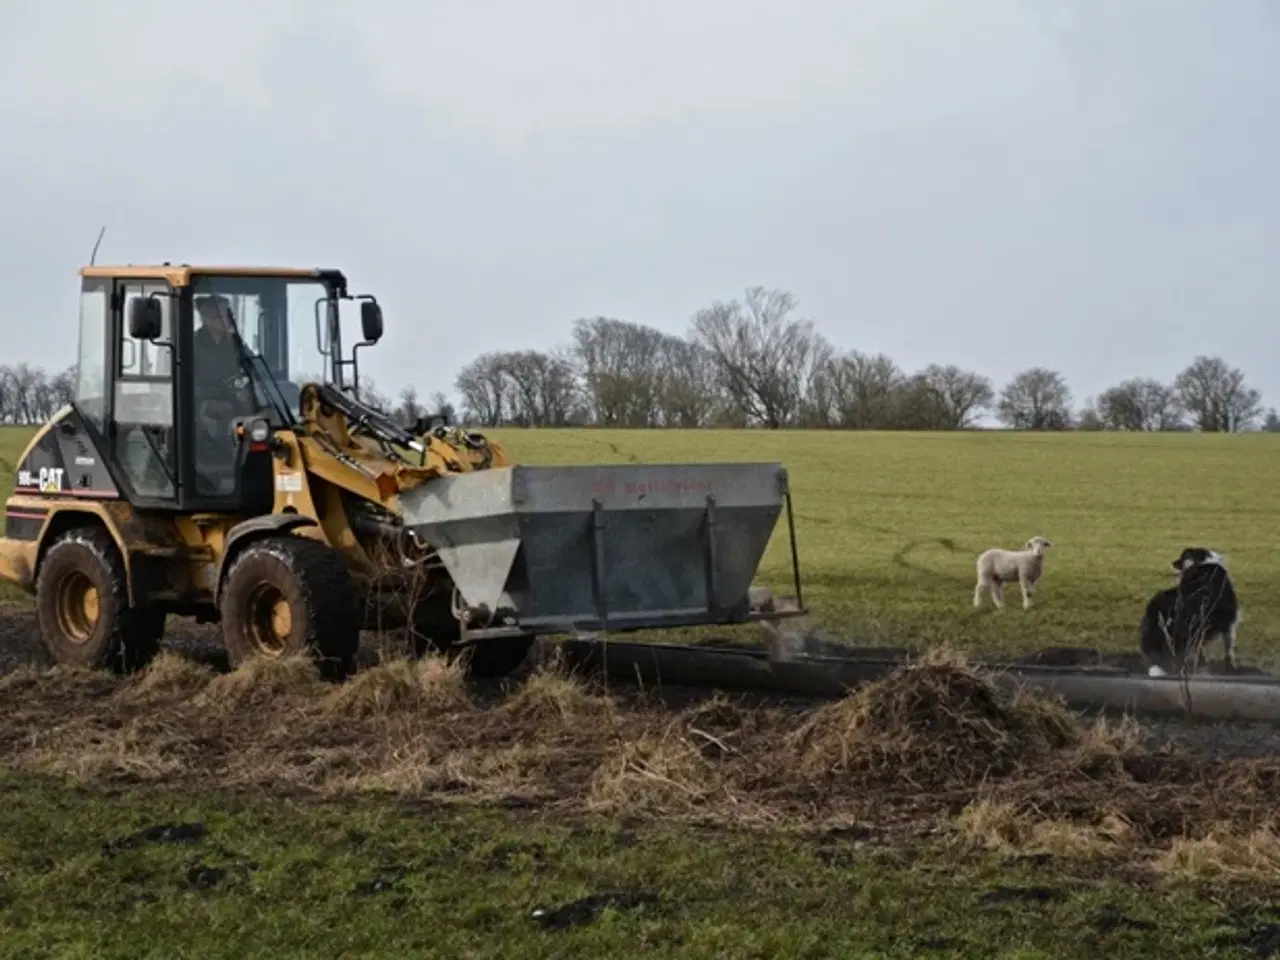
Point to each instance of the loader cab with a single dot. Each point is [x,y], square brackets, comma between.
[184,372]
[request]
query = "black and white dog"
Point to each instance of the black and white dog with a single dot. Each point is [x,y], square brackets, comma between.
[1182,620]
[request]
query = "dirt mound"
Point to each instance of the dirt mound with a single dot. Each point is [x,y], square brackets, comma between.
[265,682]
[169,678]
[936,720]
[429,685]
[552,696]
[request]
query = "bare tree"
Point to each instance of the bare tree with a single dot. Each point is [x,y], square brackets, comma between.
[1036,399]
[1139,404]
[370,394]
[691,395]
[8,396]
[763,356]
[622,370]
[1088,418]
[956,396]
[914,406]
[442,408]
[29,394]
[63,387]
[485,390]
[1272,422]
[408,410]
[545,389]
[820,407]
[1216,396]
[864,388]
[26,386]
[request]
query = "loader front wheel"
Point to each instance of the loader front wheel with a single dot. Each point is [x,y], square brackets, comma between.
[289,596]
[82,606]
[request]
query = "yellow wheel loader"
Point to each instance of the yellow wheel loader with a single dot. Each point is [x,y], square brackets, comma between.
[218,463]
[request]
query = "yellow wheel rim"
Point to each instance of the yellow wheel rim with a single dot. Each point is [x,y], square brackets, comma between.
[79,607]
[269,620]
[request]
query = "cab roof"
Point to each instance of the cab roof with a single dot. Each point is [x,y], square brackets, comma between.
[179,275]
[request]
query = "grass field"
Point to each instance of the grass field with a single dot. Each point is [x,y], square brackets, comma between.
[889,524]
[295,878]
[406,814]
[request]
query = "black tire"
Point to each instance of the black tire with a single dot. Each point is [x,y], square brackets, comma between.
[82,605]
[286,596]
[436,630]
[433,627]
[497,657]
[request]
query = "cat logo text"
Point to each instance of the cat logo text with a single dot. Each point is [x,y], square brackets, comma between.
[48,479]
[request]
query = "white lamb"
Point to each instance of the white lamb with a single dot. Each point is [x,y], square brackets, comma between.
[997,566]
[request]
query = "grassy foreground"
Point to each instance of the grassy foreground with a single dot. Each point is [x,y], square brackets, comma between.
[889,524]
[159,874]
[185,812]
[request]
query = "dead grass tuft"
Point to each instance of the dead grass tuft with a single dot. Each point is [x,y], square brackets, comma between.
[58,682]
[429,685]
[264,681]
[477,772]
[1000,826]
[722,715]
[1104,747]
[169,678]
[656,773]
[936,720]
[551,695]
[141,748]
[1226,854]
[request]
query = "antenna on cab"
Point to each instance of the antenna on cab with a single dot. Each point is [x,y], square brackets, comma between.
[93,257]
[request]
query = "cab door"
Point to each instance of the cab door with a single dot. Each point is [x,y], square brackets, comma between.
[140,427]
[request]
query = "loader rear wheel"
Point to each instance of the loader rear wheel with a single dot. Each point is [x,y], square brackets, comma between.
[289,596]
[82,605]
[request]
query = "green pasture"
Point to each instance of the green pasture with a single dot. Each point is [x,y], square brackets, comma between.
[94,873]
[889,524]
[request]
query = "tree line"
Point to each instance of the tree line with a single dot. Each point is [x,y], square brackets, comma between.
[30,394]
[754,363]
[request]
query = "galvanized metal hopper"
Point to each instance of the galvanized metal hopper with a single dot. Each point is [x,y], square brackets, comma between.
[536,550]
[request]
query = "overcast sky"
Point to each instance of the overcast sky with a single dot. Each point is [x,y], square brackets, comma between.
[1091,185]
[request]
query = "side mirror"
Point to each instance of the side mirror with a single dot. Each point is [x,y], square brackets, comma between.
[371,321]
[146,318]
